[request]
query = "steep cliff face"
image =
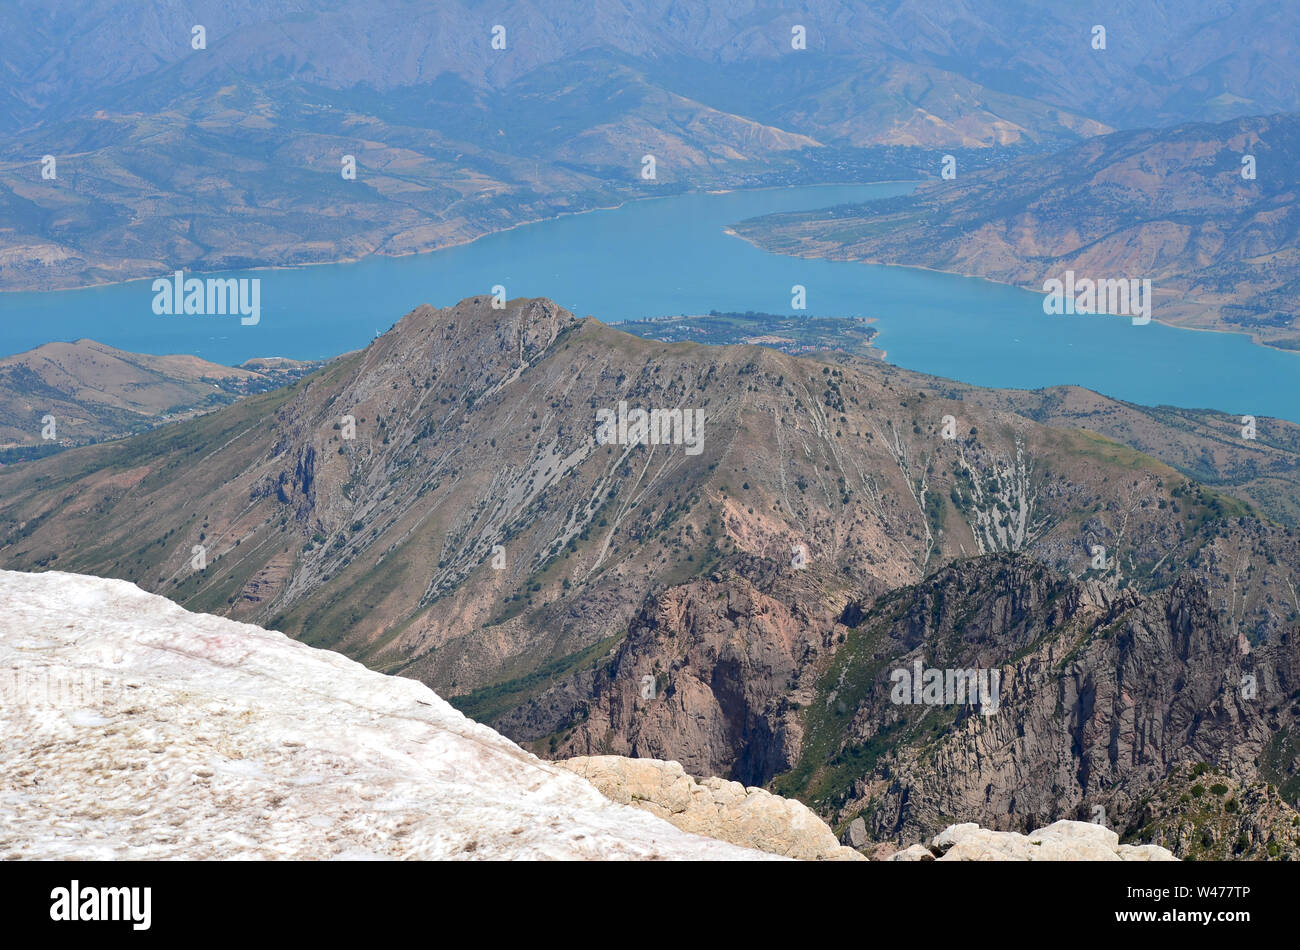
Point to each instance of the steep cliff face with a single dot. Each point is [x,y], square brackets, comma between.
[1101,697]
[709,674]
[1095,697]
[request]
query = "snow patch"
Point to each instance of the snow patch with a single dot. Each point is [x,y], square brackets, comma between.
[134,729]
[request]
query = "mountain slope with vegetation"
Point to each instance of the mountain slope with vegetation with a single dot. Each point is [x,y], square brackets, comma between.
[1104,695]
[438,505]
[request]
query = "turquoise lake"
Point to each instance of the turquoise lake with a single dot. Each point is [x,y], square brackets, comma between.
[671,256]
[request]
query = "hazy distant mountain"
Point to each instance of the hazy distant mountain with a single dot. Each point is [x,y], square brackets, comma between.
[1160,64]
[438,504]
[1172,205]
[231,155]
[248,175]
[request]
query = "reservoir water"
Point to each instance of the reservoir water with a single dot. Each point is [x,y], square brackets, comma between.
[672,256]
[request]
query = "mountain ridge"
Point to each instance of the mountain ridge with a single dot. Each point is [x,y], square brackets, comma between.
[439,505]
[454,138]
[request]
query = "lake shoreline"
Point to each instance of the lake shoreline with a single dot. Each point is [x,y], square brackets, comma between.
[1252,336]
[646,259]
[358,258]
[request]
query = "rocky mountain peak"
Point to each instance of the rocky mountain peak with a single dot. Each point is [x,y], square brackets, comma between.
[520,328]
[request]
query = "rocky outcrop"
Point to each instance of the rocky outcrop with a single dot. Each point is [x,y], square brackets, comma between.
[705,671]
[856,835]
[1100,699]
[714,807]
[1060,841]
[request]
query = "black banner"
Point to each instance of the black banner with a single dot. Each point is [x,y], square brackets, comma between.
[676,899]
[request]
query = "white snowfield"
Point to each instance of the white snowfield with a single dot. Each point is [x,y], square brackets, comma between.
[132,728]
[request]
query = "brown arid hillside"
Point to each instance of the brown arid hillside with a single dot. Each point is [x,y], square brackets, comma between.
[1170,205]
[235,177]
[95,392]
[439,505]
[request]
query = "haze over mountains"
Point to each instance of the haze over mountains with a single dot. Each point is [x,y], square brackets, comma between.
[235,149]
[476,536]
[1182,74]
[1171,205]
